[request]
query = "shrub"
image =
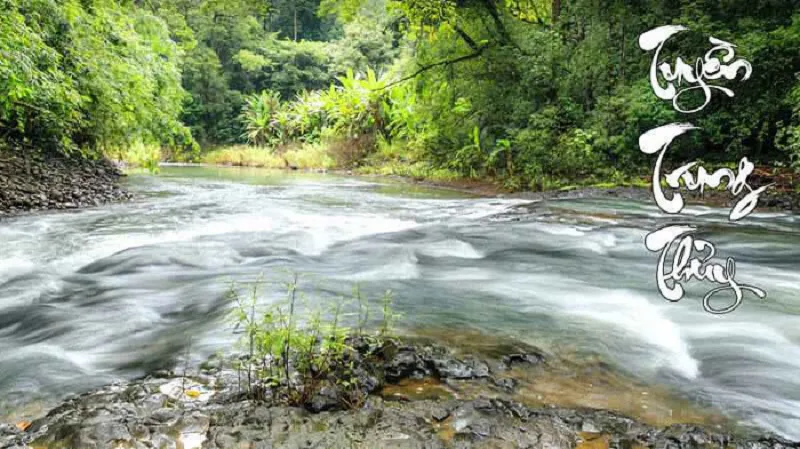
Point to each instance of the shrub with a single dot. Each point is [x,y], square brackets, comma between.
[350,152]
[309,155]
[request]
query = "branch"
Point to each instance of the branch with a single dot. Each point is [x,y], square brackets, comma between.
[498,22]
[505,37]
[471,42]
[427,67]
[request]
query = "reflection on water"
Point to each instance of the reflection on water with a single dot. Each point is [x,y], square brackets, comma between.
[91,296]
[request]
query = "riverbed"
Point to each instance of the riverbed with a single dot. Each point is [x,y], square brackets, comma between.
[93,296]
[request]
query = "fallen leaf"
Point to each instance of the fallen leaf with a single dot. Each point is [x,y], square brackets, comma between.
[194,394]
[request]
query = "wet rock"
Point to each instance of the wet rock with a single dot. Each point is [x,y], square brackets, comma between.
[8,430]
[406,363]
[440,414]
[530,359]
[8,435]
[139,415]
[163,374]
[457,369]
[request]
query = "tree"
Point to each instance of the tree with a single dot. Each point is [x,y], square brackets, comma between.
[87,76]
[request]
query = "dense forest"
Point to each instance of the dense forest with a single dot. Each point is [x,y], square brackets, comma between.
[531,93]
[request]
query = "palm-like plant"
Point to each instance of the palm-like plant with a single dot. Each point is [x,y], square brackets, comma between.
[306,116]
[358,105]
[261,118]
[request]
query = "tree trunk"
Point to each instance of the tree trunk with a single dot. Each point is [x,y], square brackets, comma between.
[295,23]
[556,10]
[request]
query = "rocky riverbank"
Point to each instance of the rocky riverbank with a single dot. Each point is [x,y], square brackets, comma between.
[55,182]
[419,396]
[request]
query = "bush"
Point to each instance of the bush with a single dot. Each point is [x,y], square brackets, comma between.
[262,119]
[350,152]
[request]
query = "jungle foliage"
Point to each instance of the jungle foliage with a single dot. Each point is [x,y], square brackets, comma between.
[88,76]
[240,48]
[540,93]
[533,93]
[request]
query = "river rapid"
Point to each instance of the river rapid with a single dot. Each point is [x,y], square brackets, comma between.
[99,295]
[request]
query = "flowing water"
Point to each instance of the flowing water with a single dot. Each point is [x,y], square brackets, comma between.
[98,295]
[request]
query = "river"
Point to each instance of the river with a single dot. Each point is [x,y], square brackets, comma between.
[98,295]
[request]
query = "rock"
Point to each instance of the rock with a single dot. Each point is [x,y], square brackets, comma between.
[506,383]
[369,384]
[326,399]
[518,410]
[522,359]
[456,369]
[163,374]
[8,430]
[405,364]
[136,415]
[440,414]
[111,431]
[165,416]
[9,434]
[590,427]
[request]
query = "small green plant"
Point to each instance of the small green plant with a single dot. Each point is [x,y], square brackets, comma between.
[293,352]
[389,316]
[469,156]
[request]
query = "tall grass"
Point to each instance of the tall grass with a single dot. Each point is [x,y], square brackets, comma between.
[245,156]
[305,156]
[139,154]
[310,156]
[414,170]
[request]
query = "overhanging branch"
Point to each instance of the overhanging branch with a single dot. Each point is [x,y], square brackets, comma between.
[427,67]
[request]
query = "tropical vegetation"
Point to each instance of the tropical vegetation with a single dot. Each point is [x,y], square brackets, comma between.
[534,94]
